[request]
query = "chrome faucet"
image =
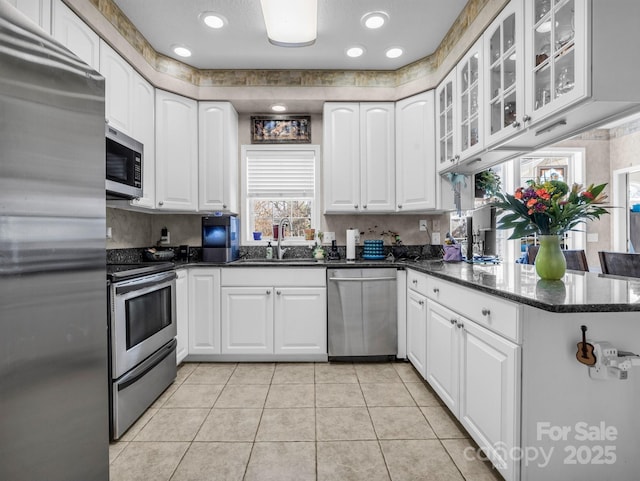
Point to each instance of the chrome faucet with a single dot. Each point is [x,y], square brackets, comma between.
[280,251]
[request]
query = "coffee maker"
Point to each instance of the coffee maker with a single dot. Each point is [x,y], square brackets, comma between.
[220,238]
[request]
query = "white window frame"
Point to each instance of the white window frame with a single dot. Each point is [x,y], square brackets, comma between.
[247,150]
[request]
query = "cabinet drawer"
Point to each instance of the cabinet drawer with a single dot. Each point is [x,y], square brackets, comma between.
[274,276]
[417,281]
[502,317]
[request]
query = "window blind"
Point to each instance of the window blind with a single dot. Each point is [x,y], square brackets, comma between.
[286,174]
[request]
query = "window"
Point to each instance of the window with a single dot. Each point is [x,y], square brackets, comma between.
[279,181]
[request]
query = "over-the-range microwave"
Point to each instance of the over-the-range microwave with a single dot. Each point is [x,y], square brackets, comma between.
[124,165]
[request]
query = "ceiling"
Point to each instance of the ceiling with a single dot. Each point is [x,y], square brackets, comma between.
[417,26]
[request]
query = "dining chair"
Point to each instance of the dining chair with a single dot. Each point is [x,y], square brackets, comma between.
[576,258]
[620,263]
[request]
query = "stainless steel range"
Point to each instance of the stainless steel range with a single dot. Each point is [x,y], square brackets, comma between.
[142,344]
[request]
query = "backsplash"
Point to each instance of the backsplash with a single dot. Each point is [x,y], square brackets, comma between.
[131,229]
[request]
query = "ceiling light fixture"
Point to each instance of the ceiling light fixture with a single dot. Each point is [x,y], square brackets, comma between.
[291,23]
[181,51]
[279,108]
[394,52]
[213,20]
[374,20]
[355,52]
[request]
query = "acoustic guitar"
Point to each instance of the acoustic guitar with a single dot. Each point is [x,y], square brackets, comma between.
[585,353]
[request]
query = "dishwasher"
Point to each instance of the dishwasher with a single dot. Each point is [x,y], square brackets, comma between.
[362,312]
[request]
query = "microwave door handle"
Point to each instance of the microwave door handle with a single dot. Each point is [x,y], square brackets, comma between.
[137,286]
[139,371]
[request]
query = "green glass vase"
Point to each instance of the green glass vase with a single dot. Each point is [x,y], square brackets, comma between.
[550,262]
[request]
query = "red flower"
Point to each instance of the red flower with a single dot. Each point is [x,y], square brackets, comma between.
[588,195]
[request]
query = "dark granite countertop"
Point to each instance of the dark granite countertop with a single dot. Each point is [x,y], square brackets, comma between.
[576,292]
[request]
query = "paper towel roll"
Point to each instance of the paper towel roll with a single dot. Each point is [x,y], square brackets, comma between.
[352,235]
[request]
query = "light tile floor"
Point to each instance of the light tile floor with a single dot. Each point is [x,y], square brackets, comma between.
[298,422]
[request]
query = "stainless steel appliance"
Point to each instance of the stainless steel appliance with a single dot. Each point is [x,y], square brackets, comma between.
[54,408]
[220,238]
[142,331]
[362,310]
[124,157]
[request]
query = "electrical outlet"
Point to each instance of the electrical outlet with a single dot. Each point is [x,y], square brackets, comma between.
[423,225]
[435,238]
[436,224]
[592,237]
[109,233]
[329,236]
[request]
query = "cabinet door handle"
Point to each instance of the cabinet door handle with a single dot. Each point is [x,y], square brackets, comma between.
[414,281]
[421,303]
[456,158]
[452,321]
[364,206]
[355,206]
[160,203]
[268,292]
[460,325]
[278,292]
[436,290]
[486,312]
[526,118]
[224,206]
[515,124]
[399,206]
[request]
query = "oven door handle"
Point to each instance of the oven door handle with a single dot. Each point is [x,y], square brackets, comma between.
[147,365]
[144,284]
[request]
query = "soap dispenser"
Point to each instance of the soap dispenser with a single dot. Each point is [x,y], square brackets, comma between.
[269,251]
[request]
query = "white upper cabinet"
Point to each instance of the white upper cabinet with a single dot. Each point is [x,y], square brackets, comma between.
[573,74]
[377,157]
[176,152]
[218,157]
[359,157]
[37,10]
[341,157]
[73,33]
[119,82]
[415,153]
[144,130]
[556,54]
[446,120]
[470,85]
[503,67]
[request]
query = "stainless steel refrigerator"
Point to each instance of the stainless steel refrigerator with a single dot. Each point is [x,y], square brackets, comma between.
[53,328]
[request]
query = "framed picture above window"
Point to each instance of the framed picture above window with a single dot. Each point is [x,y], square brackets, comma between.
[277,129]
[546,173]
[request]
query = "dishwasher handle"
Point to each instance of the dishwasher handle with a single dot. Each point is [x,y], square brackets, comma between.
[361,279]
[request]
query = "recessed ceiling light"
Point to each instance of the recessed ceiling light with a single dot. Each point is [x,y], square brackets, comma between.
[374,20]
[279,108]
[213,20]
[181,50]
[394,52]
[355,51]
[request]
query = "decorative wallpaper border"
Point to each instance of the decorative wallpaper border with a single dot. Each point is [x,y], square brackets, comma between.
[289,78]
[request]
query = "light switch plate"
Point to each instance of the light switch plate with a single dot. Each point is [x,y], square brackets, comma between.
[329,236]
[435,238]
[436,224]
[593,237]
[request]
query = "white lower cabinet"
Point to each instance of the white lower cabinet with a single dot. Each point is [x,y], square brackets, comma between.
[247,320]
[264,314]
[182,314]
[300,320]
[416,330]
[204,310]
[476,372]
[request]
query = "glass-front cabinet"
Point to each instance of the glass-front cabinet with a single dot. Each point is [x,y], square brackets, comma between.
[503,64]
[470,85]
[555,64]
[446,155]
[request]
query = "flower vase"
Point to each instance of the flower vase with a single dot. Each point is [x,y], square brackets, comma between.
[550,262]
